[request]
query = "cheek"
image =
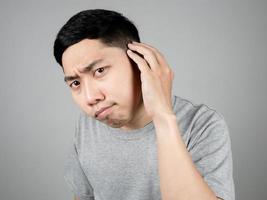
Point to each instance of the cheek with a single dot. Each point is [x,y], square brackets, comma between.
[122,87]
[78,99]
[75,97]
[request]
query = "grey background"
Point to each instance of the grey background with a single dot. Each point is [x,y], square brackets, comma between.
[217,48]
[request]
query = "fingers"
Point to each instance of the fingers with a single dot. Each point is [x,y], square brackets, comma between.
[141,63]
[158,56]
[149,55]
[153,59]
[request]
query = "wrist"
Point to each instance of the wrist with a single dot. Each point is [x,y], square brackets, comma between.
[162,118]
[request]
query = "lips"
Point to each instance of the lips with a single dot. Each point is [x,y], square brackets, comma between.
[101,112]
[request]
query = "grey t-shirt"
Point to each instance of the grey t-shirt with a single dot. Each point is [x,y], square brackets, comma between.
[106,163]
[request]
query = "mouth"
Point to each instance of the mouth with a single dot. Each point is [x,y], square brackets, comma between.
[103,112]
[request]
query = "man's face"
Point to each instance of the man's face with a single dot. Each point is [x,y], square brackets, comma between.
[111,80]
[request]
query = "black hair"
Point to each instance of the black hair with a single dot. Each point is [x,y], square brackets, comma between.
[110,27]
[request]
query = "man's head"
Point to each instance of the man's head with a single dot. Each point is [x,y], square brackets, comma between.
[110,27]
[91,48]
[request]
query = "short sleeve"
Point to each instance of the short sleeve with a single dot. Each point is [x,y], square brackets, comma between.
[210,148]
[75,177]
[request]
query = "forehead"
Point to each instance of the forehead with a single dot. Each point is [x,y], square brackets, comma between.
[81,54]
[82,51]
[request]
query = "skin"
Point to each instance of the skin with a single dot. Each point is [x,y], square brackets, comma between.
[179,178]
[117,84]
[137,101]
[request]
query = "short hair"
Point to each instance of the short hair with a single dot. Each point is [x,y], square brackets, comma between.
[110,27]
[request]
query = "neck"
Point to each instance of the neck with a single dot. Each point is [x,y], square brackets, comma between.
[140,120]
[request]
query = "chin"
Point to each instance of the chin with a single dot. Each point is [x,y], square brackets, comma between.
[115,123]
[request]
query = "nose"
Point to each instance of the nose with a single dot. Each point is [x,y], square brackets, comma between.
[92,94]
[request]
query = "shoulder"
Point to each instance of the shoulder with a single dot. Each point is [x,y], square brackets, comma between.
[185,107]
[186,110]
[85,122]
[83,127]
[198,121]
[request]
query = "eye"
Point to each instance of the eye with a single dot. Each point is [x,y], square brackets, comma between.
[100,71]
[74,84]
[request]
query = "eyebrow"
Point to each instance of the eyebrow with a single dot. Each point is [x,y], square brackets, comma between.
[88,68]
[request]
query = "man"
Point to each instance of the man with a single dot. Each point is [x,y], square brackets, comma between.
[134,140]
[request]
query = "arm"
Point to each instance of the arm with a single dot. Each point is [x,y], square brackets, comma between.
[74,174]
[179,178]
[76,198]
